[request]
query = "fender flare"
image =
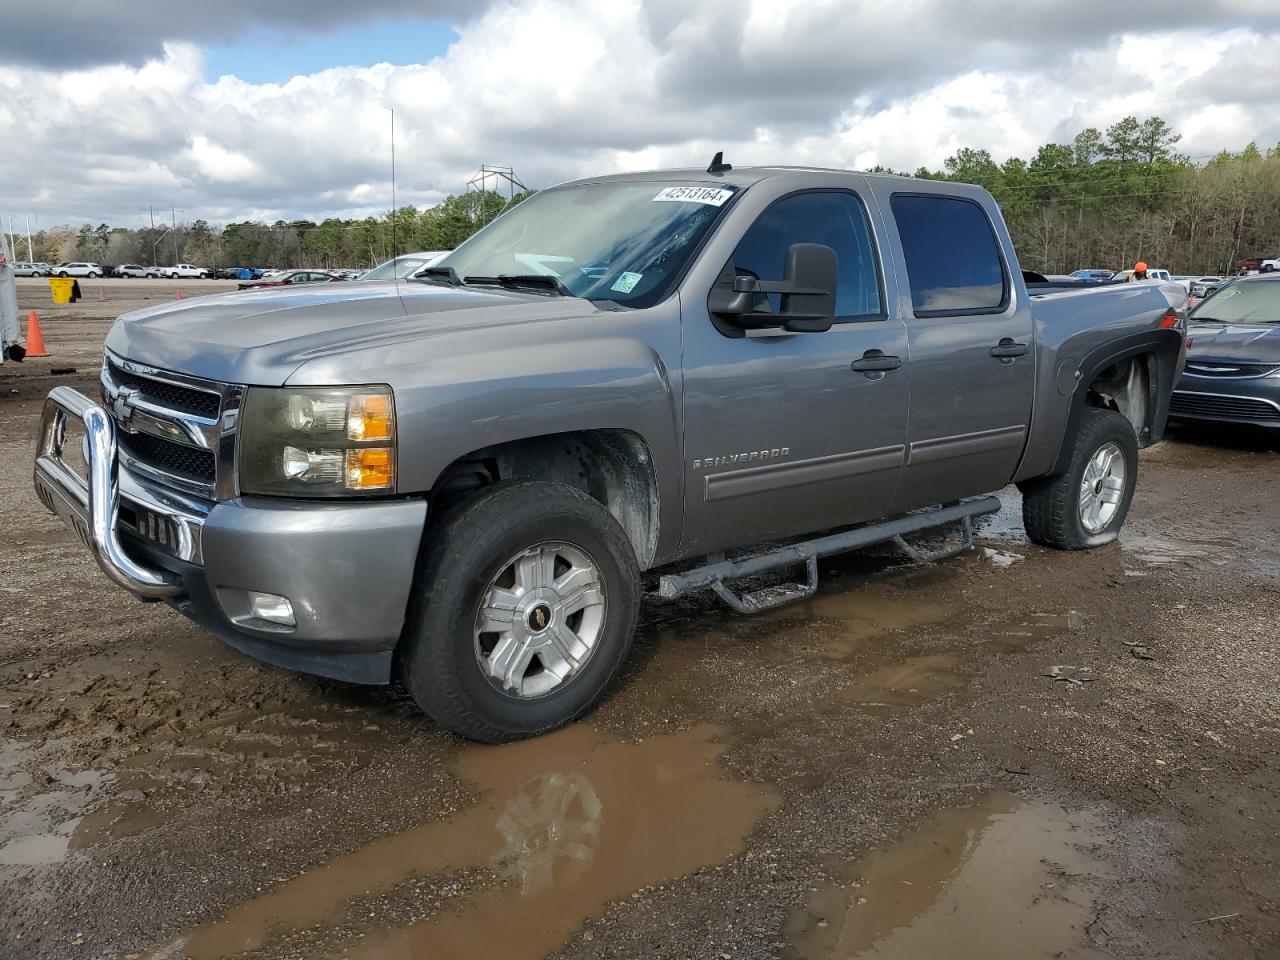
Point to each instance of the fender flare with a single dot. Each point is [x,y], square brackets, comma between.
[1165,345]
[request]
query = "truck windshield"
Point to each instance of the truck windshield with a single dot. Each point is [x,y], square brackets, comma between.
[626,242]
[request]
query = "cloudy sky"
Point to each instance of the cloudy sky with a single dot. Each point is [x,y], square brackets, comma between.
[248,109]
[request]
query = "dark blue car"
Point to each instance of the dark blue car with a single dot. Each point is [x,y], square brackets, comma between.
[1233,363]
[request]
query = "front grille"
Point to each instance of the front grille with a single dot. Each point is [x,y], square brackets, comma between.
[189,463]
[1229,368]
[1230,408]
[170,395]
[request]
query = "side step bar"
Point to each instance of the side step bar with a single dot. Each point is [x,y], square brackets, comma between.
[714,576]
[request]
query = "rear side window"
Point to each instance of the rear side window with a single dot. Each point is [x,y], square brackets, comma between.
[953,259]
[835,219]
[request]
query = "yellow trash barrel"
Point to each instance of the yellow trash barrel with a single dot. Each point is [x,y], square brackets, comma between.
[61,287]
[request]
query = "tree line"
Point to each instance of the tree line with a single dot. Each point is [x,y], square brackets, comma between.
[331,243]
[1106,199]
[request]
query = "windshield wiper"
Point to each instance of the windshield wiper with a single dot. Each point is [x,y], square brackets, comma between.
[437,274]
[1206,320]
[513,281]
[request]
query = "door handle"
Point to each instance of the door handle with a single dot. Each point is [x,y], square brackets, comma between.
[1007,349]
[875,360]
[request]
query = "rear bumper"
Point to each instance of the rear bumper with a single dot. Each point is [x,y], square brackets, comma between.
[1249,401]
[345,567]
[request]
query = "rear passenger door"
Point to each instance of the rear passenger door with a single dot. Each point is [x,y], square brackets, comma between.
[971,349]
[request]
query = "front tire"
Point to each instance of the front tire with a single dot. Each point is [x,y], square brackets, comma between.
[523,611]
[1086,505]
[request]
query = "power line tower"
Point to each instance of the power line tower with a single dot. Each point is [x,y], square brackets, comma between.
[492,179]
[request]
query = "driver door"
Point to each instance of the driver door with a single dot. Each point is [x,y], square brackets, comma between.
[784,435]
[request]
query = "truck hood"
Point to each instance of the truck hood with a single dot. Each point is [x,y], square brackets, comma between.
[261,337]
[1246,342]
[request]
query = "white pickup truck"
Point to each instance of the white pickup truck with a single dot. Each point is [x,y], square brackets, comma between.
[184,271]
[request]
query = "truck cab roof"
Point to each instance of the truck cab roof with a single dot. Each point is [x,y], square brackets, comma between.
[743,177]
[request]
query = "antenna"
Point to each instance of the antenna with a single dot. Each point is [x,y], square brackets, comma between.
[393,187]
[718,165]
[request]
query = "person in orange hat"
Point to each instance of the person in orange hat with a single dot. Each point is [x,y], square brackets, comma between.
[1139,271]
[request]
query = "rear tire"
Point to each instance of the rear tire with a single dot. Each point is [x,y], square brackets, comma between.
[1086,505]
[472,561]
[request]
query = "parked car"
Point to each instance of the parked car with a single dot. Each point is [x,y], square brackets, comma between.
[1233,364]
[462,478]
[183,271]
[1250,265]
[134,270]
[405,265]
[1201,287]
[1092,273]
[288,278]
[78,270]
[25,268]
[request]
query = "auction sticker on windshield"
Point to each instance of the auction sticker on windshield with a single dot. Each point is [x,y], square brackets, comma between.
[712,196]
[626,282]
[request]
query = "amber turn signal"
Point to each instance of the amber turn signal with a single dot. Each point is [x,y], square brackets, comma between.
[371,468]
[369,417]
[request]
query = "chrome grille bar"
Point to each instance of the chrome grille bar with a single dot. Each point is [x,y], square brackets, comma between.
[185,419]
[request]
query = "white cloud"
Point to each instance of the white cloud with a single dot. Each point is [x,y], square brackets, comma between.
[564,88]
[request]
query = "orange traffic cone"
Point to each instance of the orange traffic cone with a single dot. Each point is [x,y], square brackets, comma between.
[35,339]
[178,295]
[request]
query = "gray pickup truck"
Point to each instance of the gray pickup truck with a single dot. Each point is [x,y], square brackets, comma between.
[467,480]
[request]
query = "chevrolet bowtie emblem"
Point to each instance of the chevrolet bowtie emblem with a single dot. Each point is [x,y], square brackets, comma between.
[122,405]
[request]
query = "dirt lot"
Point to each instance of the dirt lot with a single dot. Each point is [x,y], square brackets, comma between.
[1016,754]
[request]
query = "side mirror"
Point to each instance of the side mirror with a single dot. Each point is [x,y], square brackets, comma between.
[808,293]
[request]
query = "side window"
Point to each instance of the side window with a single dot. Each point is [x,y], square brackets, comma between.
[953,259]
[836,219]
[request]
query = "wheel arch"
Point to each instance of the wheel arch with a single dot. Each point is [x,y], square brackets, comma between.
[613,466]
[1133,375]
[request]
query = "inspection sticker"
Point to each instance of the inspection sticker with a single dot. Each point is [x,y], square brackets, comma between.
[626,282]
[712,196]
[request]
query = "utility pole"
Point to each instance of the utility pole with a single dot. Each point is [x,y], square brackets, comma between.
[174,219]
[153,230]
[31,253]
[394,251]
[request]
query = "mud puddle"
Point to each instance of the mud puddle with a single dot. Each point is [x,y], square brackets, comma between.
[41,803]
[1164,548]
[1032,627]
[859,613]
[1003,880]
[566,824]
[910,682]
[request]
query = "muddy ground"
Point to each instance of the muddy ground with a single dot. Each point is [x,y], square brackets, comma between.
[1020,753]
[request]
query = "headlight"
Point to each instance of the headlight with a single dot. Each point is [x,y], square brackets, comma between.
[318,441]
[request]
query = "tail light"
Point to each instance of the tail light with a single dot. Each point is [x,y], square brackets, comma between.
[1170,319]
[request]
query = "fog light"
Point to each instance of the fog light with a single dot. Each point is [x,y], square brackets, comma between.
[267,606]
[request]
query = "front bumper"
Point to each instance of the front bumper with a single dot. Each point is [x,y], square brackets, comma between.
[1249,401]
[346,568]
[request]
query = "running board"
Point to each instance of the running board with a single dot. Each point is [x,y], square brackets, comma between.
[714,576]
